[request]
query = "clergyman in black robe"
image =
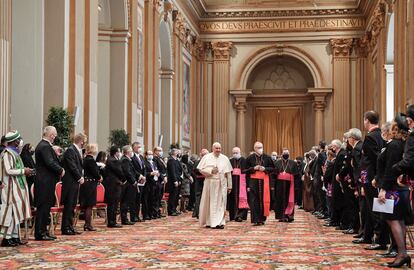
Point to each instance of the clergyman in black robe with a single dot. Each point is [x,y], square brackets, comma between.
[258,171]
[286,170]
[237,203]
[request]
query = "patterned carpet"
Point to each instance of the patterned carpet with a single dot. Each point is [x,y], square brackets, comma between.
[178,243]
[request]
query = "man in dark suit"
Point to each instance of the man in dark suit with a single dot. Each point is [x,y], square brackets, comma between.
[48,172]
[129,189]
[139,166]
[113,179]
[72,163]
[153,176]
[371,148]
[199,183]
[162,168]
[319,195]
[175,174]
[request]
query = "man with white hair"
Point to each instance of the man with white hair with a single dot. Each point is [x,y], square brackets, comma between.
[217,169]
[337,190]
[48,172]
[237,201]
[259,167]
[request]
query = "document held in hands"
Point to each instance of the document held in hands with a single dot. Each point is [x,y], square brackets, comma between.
[387,207]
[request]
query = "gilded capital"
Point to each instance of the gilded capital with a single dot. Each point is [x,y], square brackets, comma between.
[341,47]
[222,50]
[362,46]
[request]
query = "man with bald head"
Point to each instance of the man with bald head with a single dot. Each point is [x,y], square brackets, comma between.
[199,183]
[217,169]
[259,167]
[237,200]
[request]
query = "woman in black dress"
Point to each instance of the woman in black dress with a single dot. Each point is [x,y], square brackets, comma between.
[392,189]
[87,195]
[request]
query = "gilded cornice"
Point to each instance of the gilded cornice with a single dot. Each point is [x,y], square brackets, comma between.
[341,47]
[280,13]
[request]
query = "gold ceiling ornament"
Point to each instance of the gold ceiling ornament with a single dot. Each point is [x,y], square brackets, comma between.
[377,23]
[168,7]
[221,49]
[341,47]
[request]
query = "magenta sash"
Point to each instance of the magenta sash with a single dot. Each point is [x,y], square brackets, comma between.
[284,176]
[243,204]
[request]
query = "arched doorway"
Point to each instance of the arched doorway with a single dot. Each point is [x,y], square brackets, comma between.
[165,96]
[281,107]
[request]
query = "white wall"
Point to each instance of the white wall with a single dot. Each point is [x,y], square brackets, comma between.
[27,68]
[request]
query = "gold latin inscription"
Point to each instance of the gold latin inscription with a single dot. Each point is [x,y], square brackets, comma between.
[282,25]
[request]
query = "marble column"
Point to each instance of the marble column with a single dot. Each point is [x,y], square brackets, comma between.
[341,50]
[319,105]
[5,63]
[240,105]
[221,85]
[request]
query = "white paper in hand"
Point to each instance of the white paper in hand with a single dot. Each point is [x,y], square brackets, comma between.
[387,207]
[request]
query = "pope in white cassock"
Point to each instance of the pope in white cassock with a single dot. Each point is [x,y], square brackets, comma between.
[217,170]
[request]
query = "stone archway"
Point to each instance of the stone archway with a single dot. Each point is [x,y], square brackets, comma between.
[281,77]
[165,96]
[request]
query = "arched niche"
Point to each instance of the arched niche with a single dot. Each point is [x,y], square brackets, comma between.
[280,72]
[261,55]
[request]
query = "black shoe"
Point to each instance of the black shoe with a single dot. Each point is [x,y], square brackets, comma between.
[362,241]
[349,231]
[128,223]
[360,235]
[68,232]
[400,262]
[44,238]
[75,231]
[376,247]
[8,243]
[331,224]
[238,219]
[134,219]
[19,242]
[114,226]
[147,218]
[391,254]
[219,227]
[173,214]
[51,236]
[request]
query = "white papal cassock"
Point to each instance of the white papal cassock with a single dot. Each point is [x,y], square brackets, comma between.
[214,197]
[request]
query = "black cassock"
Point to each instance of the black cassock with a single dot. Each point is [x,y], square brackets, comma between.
[283,188]
[235,212]
[256,193]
